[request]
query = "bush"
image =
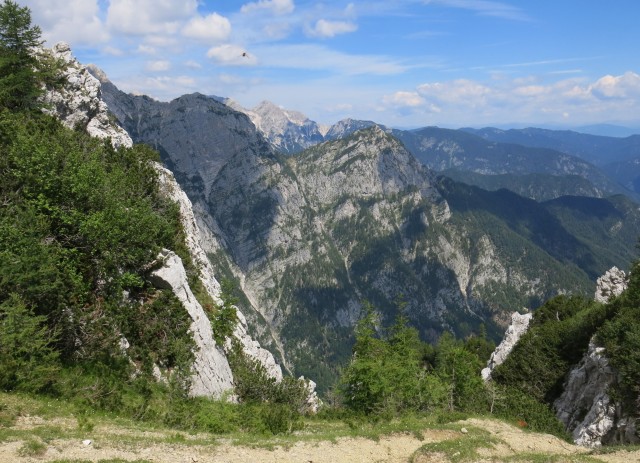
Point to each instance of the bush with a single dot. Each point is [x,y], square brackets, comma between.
[27,360]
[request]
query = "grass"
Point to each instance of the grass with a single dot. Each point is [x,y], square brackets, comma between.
[61,422]
[463,449]
[32,448]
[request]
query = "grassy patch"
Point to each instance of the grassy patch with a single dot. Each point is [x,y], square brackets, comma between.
[32,448]
[463,449]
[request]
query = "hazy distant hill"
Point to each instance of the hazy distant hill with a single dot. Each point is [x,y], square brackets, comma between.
[599,150]
[473,156]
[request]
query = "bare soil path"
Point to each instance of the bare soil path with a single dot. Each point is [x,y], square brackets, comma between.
[505,443]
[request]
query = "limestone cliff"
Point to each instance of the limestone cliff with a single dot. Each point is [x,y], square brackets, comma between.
[79,104]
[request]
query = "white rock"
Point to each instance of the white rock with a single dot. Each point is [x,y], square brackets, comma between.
[211,372]
[78,103]
[252,348]
[585,407]
[610,285]
[518,327]
[193,239]
[87,442]
[313,402]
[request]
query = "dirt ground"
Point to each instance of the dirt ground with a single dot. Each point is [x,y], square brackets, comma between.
[115,443]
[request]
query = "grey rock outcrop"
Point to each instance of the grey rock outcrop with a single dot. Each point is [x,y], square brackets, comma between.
[610,285]
[585,407]
[212,375]
[78,103]
[519,326]
[252,348]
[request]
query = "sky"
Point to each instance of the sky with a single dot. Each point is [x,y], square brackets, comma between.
[402,63]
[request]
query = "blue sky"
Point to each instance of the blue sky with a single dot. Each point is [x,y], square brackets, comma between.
[404,63]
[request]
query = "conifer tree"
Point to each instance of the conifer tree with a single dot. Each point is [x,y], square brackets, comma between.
[24,68]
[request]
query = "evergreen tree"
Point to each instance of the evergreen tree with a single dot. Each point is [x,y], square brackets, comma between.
[24,69]
[27,361]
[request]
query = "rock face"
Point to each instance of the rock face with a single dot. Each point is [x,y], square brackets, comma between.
[212,375]
[518,327]
[288,131]
[79,104]
[585,407]
[610,285]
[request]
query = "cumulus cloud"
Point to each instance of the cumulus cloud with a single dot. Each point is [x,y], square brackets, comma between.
[74,21]
[578,100]
[460,91]
[233,55]
[191,64]
[278,7]
[624,86]
[160,87]
[158,66]
[210,28]
[404,99]
[141,17]
[328,29]
[113,51]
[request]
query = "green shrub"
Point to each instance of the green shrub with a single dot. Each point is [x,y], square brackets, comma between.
[27,360]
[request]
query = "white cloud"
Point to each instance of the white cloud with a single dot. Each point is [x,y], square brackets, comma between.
[231,55]
[573,100]
[113,51]
[146,49]
[73,21]
[158,66]
[161,87]
[404,99]
[461,91]
[213,27]
[624,86]
[141,17]
[278,7]
[328,29]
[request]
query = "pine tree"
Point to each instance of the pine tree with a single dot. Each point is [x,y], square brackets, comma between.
[24,68]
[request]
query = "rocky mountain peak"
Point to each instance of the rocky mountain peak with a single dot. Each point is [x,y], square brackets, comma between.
[79,102]
[346,127]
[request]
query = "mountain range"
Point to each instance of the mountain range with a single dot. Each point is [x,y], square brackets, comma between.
[309,237]
[538,163]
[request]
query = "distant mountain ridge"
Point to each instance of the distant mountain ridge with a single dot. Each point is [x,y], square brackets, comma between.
[597,149]
[539,163]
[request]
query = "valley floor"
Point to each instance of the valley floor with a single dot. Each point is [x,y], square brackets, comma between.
[35,439]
